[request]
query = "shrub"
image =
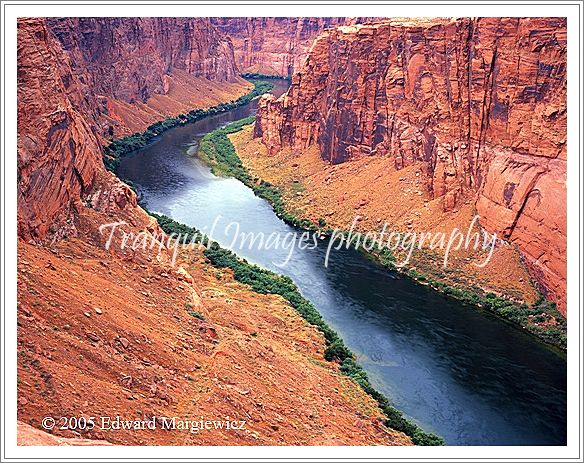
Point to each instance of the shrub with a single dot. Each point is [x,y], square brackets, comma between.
[196,314]
[192,312]
[219,153]
[337,351]
[255,75]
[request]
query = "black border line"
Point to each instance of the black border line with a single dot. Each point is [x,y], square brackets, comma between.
[579,3]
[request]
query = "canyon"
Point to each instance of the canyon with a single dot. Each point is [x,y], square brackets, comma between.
[123,331]
[476,106]
[83,81]
[112,77]
[420,121]
[141,70]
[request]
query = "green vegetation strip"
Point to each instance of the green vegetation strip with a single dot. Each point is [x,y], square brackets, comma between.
[122,146]
[535,318]
[541,319]
[266,282]
[256,75]
[219,153]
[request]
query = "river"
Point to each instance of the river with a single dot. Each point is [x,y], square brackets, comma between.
[455,370]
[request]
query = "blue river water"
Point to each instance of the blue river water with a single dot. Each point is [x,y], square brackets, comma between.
[455,370]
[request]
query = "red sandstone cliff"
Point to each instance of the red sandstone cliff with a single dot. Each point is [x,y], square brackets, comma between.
[154,67]
[128,58]
[80,79]
[59,155]
[90,318]
[275,46]
[480,103]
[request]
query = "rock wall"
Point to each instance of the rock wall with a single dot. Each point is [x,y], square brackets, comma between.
[480,103]
[129,58]
[275,46]
[59,155]
[149,64]
[81,80]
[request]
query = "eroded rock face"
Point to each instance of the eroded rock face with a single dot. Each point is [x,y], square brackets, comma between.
[481,103]
[73,73]
[275,46]
[129,58]
[59,155]
[153,67]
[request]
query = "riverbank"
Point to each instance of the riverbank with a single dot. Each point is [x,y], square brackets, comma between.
[257,75]
[407,337]
[122,146]
[264,281]
[182,92]
[538,316]
[125,334]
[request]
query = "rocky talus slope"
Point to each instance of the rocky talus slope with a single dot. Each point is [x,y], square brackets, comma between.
[478,105]
[122,332]
[112,333]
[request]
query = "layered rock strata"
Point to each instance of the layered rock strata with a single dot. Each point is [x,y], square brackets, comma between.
[81,80]
[479,103]
[122,332]
[276,46]
[59,154]
[157,66]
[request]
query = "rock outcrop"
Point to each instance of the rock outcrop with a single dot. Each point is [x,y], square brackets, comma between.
[129,58]
[276,46]
[157,67]
[59,154]
[83,79]
[480,103]
[120,331]
[27,435]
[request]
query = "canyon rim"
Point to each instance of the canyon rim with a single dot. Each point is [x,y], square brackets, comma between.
[205,213]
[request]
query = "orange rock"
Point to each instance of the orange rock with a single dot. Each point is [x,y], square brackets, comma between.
[80,79]
[480,103]
[59,154]
[275,46]
[142,70]
[27,435]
